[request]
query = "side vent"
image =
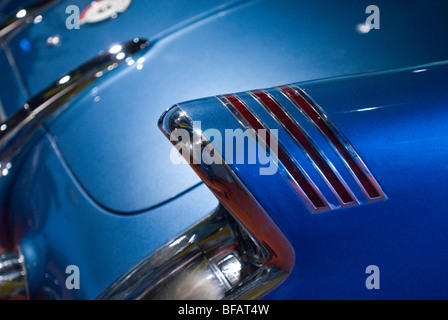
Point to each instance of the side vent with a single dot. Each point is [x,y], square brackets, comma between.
[239,251]
[289,166]
[336,139]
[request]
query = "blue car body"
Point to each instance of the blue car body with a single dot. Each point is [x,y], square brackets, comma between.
[97,188]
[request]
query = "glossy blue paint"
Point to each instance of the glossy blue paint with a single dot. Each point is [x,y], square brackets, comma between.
[11,91]
[145,19]
[114,159]
[117,178]
[56,225]
[246,62]
[9,8]
[397,123]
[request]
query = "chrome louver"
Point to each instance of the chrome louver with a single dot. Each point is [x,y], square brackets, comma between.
[290,167]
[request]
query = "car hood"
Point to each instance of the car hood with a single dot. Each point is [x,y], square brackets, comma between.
[108,138]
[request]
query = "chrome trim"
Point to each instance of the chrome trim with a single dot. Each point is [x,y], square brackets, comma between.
[313,144]
[284,171]
[192,265]
[236,198]
[12,274]
[19,129]
[2,112]
[30,12]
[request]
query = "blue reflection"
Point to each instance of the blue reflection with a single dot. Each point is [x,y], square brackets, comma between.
[25,45]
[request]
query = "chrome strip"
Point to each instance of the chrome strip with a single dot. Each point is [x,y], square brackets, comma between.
[282,169]
[2,112]
[318,150]
[29,13]
[236,198]
[18,129]
[190,266]
[12,274]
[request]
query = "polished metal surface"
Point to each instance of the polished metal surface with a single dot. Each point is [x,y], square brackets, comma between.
[2,113]
[215,259]
[236,199]
[24,16]
[12,274]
